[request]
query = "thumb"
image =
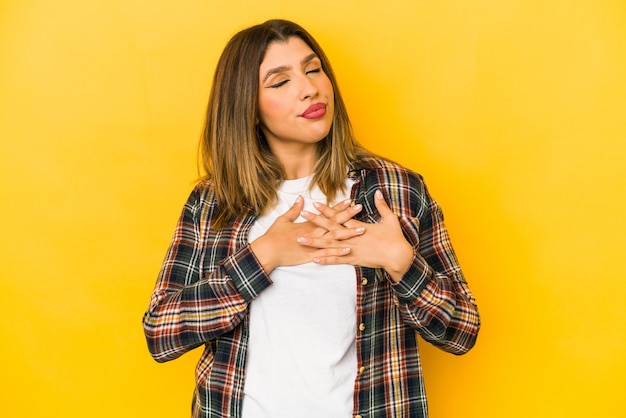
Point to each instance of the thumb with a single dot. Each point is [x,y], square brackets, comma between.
[294,211]
[381,205]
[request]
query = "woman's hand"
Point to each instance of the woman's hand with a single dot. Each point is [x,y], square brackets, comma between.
[279,245]
[381,245]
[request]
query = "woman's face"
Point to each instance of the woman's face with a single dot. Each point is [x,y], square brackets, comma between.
[296,98]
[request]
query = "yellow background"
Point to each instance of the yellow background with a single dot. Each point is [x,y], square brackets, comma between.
[514,111]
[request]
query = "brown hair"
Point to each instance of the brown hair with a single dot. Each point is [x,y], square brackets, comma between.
[235,155]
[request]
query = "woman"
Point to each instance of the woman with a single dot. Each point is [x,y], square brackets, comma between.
[304,265]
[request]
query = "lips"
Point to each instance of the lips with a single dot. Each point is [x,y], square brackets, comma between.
[315,111]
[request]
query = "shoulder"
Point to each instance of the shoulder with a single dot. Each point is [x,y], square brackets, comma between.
[391,174]
[404,189]
[205,189]
[202,196]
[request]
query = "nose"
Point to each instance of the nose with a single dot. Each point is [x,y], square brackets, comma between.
[308,88]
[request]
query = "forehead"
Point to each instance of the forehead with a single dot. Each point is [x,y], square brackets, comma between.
[285,53]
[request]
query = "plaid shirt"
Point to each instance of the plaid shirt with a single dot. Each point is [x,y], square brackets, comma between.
[210,276]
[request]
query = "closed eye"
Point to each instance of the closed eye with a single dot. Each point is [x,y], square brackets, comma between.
[282,83]
[279,84]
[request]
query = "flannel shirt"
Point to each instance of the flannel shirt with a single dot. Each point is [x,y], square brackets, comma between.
[210,276]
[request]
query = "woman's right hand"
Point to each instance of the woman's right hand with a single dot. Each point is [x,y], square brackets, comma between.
[279,245]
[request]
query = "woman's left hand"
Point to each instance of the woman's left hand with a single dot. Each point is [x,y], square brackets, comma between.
[382,245]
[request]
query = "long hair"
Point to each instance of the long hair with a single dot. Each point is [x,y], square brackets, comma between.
[235,156]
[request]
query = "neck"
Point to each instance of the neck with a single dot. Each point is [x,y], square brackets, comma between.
[297,163]
[297,170]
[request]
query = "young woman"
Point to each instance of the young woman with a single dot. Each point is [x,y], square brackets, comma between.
[304,265]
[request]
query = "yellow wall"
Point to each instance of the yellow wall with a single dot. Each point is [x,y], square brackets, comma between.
[515,111]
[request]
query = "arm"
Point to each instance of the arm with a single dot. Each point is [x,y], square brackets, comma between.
[433,295]
[413,247]
[189,307]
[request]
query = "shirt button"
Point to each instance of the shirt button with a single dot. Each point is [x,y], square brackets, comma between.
[361,369]
[358,416]
[362,326]
[364,282]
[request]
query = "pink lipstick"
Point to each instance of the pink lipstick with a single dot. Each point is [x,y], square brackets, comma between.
[315,111]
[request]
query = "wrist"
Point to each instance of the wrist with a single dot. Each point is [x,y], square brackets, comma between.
[400,264]
[263,254]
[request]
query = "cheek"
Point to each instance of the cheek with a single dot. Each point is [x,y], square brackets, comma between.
[330,92]
[269,108]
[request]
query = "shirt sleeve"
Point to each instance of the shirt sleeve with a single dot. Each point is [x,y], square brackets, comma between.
[433,296]
[192,304]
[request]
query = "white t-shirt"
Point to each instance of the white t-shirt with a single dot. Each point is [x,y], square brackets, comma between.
[301,353]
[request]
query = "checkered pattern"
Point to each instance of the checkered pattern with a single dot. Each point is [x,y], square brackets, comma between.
[209,277]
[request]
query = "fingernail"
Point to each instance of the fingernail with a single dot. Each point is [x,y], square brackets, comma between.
[305,214]
[345,250]
[378,194]
[316,260]
[317,205]
[298,199]
[357,208]
[301,240]
[359,230]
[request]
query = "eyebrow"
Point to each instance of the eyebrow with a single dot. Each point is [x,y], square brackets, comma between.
[284,68]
